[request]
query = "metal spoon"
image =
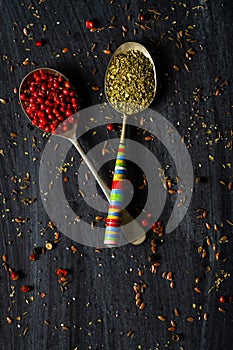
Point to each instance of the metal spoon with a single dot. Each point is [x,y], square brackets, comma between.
[118,192]
[71,136]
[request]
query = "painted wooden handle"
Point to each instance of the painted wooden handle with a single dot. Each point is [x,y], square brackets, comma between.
[113,221]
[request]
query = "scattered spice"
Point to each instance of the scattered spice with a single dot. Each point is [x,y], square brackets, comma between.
[90,24]
[25,289]
[14,276]
[40,43]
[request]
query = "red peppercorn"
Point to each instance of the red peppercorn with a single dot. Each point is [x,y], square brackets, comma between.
[222,299]
[47,98]
[14,276]
[25,289]
[110,127]
[145,222]
[144,17]
[90,24]
[40,43]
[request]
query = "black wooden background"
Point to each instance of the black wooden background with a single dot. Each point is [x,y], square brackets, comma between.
[97,310]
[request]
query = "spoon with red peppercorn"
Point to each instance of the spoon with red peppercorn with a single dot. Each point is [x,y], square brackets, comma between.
[49,101]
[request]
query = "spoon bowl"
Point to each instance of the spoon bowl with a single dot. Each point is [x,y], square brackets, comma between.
[126,47]
[48,100]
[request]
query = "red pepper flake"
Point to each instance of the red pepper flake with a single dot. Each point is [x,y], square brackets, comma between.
[25,289]
[158,228]
[33,257]
[40,43]
[61,272]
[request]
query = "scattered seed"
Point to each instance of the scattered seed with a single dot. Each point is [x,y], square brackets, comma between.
[130,334]
[191,51]
[49,246]
[171,329]
[221,309]
[65,50]
[216,227]
[124,28]
[99,218]
[175,67]
[208,241]
[214,247]
[74,249]
[138,302]
[197,290]
[223,239]
[205,316]
[107,52]
[9,319]
[187,67]
[95,88]
[175,338]
[3,101]
[140,272]
[172,284]
[26,31]
[230,186]
[229,222]
[204,254]
[173,323]
[4,258]
[136,288]
[169,276]
[190,319]
[176,312]
[208,226]
[112,20]
[25,331]
[161,318]
[137,296]
[197,279]
[142,306]
[204,214]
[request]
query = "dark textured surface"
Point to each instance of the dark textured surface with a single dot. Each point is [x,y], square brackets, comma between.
[98,306]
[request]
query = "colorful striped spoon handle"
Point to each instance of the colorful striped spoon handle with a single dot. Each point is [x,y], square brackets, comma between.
[113,221]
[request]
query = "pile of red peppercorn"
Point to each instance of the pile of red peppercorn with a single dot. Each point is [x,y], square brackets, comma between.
[49,101]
